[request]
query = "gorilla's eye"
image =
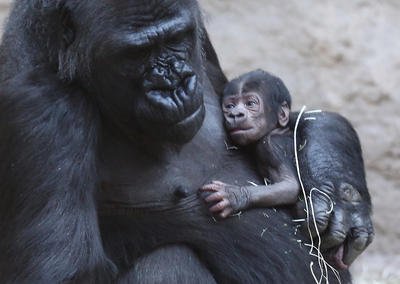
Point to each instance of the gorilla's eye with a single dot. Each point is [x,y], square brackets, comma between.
[182,40]
[175,39]
[178,43]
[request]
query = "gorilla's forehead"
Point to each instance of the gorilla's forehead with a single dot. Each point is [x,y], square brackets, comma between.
[148,19]
[146,10]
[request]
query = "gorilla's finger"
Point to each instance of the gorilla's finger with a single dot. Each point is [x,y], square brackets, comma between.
[337,229]
[322,213]
[217,196]
[226,212]
[219,206]
[359,239]
[355,246]
[320,204]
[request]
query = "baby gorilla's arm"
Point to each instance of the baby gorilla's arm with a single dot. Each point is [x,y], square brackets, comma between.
[225,199]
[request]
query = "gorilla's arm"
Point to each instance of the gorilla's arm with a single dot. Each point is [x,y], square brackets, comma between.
[330,160]
[48,219]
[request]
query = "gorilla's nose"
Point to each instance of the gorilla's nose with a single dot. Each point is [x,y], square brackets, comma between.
[159,78]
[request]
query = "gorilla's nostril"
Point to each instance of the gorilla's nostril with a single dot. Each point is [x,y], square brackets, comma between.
[159,80]
[159,72]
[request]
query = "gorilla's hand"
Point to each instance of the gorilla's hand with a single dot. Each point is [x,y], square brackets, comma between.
[343,221]
[225,199]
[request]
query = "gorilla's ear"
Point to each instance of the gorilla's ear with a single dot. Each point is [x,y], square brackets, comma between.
[213,68]
[283,114]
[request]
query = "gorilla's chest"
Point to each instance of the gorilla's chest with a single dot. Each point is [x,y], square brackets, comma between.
[139,179]
[147,184]
[153,178]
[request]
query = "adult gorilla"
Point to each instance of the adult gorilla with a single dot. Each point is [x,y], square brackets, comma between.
[109,124]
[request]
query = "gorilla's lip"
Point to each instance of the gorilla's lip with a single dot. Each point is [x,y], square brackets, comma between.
[172,96]
[191,117]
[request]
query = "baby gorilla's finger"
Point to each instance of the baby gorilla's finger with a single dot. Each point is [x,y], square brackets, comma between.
[210,187]
[220,206]
[217,196]
[226,212]
[217,182]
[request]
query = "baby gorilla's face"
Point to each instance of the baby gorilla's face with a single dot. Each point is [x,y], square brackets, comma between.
[245,117]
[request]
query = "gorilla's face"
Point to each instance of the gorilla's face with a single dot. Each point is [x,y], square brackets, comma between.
[142,62]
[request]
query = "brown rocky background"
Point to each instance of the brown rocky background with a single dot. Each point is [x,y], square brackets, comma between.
[334,55]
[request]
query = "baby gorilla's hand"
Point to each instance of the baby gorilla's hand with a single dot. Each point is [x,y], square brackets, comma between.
[225,199]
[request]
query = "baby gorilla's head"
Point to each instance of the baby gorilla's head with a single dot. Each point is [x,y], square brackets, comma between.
[253,105]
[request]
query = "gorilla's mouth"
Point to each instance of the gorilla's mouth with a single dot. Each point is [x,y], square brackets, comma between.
[173,100]
[175,104]
[168,92]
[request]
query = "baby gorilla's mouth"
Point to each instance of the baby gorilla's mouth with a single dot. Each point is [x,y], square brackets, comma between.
[238,130]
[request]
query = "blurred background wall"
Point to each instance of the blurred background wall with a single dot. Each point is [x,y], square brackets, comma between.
[340,56]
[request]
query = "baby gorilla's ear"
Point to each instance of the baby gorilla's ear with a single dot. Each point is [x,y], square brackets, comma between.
[283,114]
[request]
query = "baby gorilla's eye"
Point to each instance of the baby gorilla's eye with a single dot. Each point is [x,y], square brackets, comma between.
[251,103]
[230,106]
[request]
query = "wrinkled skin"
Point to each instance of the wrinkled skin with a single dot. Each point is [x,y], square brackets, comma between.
[226,198]
[110,124]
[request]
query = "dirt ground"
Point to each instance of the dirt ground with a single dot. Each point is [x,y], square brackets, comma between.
[333,55]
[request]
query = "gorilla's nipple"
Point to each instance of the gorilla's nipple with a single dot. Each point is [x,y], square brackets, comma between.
[181,192]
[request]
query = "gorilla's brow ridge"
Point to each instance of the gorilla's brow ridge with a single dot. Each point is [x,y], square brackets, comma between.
[151,34]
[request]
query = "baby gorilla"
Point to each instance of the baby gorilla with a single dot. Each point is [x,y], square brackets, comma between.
[256,109]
